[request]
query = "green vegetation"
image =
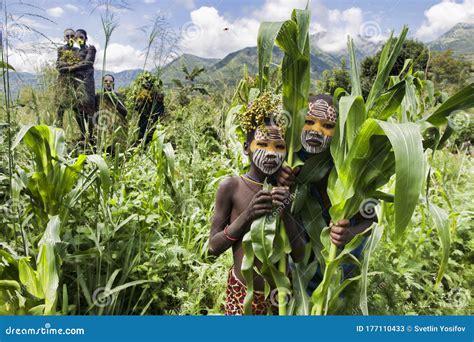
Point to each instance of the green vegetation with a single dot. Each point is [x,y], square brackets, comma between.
[100,234]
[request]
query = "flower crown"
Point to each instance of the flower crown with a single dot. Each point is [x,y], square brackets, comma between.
[267,106]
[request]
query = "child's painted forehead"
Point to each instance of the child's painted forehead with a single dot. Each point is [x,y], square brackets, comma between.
[321,109]
[268,133]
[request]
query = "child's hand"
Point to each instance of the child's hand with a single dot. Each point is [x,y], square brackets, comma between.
[286,176]
[260,205]
[281,198]
[341,233]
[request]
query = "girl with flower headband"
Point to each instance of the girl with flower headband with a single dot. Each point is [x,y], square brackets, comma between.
[240,200]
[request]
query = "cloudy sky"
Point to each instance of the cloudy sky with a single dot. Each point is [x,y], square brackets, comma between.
[215,28]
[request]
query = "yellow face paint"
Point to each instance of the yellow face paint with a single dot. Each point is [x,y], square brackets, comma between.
[319,127]
[323,126]
[268,149]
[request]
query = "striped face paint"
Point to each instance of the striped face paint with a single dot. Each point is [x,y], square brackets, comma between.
[319,127]
[268,149]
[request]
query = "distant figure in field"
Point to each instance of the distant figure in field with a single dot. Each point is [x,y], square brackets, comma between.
[147,99]
[67,56]
[83,73]
[110,116]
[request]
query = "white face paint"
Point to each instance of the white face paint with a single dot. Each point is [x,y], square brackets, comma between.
[268,162]
[314,142]
[319,128]
[268,150]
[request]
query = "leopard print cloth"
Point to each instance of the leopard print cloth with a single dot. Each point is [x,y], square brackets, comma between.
[236,292]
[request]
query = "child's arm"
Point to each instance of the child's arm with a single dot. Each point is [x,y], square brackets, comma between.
[87,62]
[223,233]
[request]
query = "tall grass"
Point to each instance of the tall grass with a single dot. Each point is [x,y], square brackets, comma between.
[127,233]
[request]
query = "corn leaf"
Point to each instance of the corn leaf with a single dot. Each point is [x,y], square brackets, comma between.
[463,99]
[267,33]
[387,60]
[409,170]
[355,78]
[49,264]
[29,278]
[441,222]
[372,244]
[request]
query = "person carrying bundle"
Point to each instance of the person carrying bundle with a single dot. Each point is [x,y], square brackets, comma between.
[67,56]
[83,75]
[147,99]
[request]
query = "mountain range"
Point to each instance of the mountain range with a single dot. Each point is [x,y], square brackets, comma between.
[229,70]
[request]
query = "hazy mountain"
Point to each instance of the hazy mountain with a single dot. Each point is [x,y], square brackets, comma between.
[174,69]
[122,78]
[363,48]
[460,39]
[229,69]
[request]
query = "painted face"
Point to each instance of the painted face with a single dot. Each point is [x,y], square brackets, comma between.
[268,149]
[69,37]
[108,83]
[319,127]
[81,38]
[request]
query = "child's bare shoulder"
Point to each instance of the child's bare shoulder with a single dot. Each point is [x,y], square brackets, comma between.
[229,183]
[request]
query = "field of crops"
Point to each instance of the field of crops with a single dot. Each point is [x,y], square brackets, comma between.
[86,232]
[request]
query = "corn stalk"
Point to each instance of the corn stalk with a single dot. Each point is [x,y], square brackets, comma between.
[50,188]
[368,150]
[292,37]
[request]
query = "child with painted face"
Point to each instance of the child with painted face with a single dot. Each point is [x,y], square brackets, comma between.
[316,137]
[239,201]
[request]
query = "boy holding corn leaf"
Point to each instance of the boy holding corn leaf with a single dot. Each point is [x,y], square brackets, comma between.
[242,201]
[316,137]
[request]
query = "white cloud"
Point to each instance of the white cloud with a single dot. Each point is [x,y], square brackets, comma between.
[444,15]
[28,58]
[120,57]
[55,11]
[211,34]
[71,7]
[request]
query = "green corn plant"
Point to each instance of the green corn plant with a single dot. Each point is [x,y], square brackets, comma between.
[267,238]
[50,188]
[368,150]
